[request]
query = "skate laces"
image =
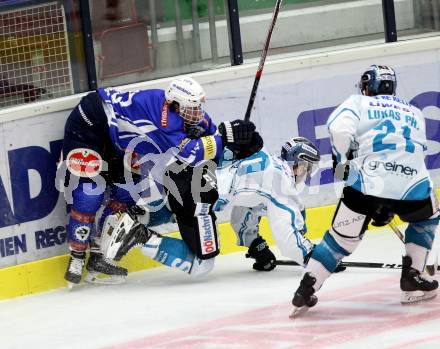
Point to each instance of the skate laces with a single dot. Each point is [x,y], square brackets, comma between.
[109,262]
[424,277]
[76,265]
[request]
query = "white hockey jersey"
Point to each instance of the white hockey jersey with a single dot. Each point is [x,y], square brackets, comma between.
[258,185]
[387,138]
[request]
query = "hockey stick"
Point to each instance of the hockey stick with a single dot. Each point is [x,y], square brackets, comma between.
[353,264]
[396,231]
[262,60]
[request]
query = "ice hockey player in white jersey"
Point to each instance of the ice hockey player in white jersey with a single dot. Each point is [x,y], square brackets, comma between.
[378,142]
[261,184]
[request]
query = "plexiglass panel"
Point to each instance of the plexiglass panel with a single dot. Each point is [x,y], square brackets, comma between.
[138,40]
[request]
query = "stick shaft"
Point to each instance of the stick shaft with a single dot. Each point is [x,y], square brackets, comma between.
[396,231]
[262,60]
[352,264]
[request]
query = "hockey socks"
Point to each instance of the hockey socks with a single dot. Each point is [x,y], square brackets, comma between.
[175,253]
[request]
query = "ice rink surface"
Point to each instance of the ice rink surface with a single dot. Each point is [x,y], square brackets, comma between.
[233,307]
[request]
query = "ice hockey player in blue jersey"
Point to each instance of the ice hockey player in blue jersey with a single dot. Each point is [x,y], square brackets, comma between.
[108,133]
[378,142]
[259,185]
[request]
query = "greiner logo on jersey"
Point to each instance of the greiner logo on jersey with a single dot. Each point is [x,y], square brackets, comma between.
[206,231]
[392,167]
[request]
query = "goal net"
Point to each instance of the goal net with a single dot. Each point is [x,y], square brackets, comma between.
[34,55]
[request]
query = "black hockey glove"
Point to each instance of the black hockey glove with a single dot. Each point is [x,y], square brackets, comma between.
[243,151]
[135,211]
[382,216]
[195,132]
[264,258]
[237,132]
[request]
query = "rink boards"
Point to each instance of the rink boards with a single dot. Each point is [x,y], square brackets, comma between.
[295,97]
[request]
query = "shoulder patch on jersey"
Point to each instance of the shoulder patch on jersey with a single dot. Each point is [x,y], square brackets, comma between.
[164,116]
[209,147]
[183,143]
[83,162]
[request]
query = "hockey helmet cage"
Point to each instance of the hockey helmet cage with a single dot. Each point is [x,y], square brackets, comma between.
[190,96]
[380,80]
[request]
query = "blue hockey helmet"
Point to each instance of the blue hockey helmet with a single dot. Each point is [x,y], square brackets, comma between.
[379,79]
[300,152]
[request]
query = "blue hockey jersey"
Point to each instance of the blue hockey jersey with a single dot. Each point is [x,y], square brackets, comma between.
[141,121]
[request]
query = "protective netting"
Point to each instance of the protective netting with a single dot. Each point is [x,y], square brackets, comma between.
[34,55]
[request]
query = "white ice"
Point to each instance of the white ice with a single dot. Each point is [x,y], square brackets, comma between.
[233,307]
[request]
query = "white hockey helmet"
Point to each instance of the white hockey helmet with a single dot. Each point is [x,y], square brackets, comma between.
[190,96]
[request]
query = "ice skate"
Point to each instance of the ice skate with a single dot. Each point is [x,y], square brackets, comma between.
[97,265]
[121,235]
[304,297]
[415,287]
[74,268]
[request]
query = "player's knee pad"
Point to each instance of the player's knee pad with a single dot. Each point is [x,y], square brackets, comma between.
[329,252]
[348,227]
[419,237]
[422,233]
